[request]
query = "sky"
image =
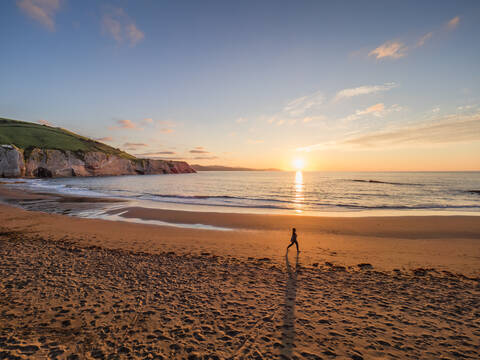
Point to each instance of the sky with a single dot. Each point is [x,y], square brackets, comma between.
[338,85]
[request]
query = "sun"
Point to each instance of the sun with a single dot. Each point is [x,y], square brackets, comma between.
[299,164]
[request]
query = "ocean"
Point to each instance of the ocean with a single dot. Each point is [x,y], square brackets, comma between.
[308,193]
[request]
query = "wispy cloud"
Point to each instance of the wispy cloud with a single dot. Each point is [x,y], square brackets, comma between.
[395,49]
[377,110]
[374,109]
[453,23]
[467,107]
[199,151]
[389,49]
[168,123]
[148,121]
[106,138]
[424,39]
[314,119]
[166,131]
[44,122]
[205,158]
[447,129]
[300,105]
[157,153]
[241,120]
[117,24]
[42,11]
[133,146]
[363,90]
[125,124]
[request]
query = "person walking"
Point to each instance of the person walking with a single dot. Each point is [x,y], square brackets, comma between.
[293,240]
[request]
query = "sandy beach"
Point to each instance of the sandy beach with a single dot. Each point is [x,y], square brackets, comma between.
[362,288]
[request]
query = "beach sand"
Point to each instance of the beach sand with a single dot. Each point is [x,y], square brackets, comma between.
[371,288]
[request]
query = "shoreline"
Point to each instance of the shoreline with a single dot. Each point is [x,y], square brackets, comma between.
[178,204]
[450,243]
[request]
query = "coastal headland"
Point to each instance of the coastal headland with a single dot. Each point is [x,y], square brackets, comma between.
[397,287]
[41,151]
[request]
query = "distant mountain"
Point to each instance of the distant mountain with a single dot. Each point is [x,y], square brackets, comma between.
[226,168]
[33,150]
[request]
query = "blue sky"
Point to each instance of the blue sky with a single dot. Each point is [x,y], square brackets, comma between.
[345,85]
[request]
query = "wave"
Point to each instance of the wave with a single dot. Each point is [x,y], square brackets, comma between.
[384,182]
[289,205]
[232,205]
[206,197]
[405,207]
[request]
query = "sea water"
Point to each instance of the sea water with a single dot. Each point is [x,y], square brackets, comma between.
[310,193]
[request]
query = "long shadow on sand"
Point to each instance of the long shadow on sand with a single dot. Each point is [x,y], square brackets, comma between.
[288,327]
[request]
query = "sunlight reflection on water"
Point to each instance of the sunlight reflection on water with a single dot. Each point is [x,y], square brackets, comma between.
[299,187]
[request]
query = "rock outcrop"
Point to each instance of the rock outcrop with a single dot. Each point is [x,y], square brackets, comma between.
[11,161]
[57,163]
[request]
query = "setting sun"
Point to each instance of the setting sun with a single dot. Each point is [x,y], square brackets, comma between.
[299,163]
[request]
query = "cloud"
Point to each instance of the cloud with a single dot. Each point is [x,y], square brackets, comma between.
[106,138]
[166,131]
[300,105]
[148,121]
[117,24]
[126,124]
[205,158]
[453,23]
[448,129]
[168,123]
[314,119]
[389,49]
[363,90]
[134,34]
[196,151]
[377,110]
[424,39]
[395,49]
[241,120]
[133,146]
[467,107]
[158,153]
[44,122]
[42,11]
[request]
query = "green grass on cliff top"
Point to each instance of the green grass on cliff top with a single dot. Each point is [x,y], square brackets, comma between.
[27,136]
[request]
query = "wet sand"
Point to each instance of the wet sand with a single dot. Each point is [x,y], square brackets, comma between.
[71,288]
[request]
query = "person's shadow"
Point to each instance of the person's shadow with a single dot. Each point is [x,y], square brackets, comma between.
[288,327]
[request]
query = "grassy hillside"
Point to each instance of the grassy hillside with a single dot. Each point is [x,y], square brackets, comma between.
[28,136]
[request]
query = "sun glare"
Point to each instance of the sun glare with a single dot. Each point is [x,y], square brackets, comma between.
[298,164]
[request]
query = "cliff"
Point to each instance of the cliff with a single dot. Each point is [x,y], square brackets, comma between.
[78,157]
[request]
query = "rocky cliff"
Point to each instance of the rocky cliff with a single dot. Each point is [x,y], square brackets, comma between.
[14,162]
[11,162]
